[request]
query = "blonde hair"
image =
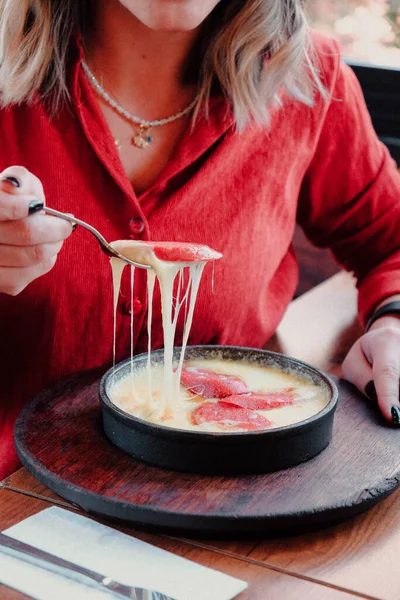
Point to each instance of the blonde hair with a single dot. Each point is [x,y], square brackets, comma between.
[251,50]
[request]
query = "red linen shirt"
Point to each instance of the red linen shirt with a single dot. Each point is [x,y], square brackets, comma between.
[240,194]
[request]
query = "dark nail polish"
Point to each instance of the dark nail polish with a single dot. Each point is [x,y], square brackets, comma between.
[395,410]
[371,391]
[35,206]
[13,180]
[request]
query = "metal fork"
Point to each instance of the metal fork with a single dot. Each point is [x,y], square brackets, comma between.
[59,566]
[105,246]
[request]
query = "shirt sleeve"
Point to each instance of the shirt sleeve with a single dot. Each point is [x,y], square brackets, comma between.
[350,196]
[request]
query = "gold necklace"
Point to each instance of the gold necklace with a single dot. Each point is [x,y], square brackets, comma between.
[141,138]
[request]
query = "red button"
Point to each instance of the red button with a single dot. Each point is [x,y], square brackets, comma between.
[128,309]
[136,226]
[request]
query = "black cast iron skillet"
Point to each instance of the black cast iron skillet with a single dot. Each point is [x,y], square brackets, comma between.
[225,452]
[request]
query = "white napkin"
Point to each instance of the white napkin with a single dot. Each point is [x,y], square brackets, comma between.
[103,549]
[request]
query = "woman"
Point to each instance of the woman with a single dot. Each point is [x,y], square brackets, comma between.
[266,127]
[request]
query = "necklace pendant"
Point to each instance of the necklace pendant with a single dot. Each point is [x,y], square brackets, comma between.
[140,142]
[142,139]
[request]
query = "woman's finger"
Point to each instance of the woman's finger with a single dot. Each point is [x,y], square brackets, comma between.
[358,371]
[34,230]
[17,180]
[386,369]
[382,349]
[20,192]
[28,256]
[13,280]
[14,207]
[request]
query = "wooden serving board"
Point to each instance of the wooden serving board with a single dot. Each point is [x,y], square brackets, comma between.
[60,440]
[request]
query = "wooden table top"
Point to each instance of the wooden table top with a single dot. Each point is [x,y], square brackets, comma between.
[359,558]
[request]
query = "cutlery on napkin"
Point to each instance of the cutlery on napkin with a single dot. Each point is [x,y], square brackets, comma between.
[65,568]
[125,559]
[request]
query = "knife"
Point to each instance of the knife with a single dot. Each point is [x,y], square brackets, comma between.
[70,570]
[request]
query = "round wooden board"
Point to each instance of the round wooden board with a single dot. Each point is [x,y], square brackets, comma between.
[60,440]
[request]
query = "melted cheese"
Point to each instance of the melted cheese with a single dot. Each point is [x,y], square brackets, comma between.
[311,398]
[166,272]
[154,392]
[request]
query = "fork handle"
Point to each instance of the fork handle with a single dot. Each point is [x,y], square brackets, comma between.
[75,221]
[74,572]
[105,246]
[47,561]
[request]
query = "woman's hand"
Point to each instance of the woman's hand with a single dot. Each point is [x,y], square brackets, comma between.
[373,365]
[28,244]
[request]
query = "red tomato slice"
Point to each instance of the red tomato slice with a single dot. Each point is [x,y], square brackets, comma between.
[183,252]
[229,416]
[255,401]
[210,384]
